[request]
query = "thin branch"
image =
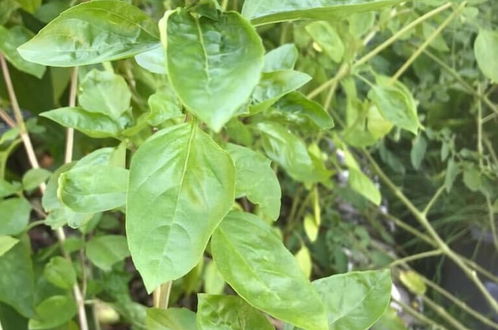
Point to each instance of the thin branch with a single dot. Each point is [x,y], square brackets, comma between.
[416,257]
[6,118]
[72,102]
[419,316]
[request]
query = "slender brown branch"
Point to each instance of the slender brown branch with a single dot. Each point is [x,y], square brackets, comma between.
[6,118]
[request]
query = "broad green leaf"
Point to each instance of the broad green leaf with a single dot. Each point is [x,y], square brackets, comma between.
[297,109]
[60,272]
[53,312]
[14,215]
[181,186]
[164,105]
[413,282]
[90,33]
[328,39]
[216,312]
[7,243]
[34,177]
[255,179]
[213,281]
[153,60]
[272,11]
[170,319]
[355,300]
[281,58]
[395,103]
[256,264]
[92,189]
[105,251]
[213,65]
[17,278]
[274,85]
[93,124]
[485,50]
[362,184]
[104,92]
[288,151]
[12,38]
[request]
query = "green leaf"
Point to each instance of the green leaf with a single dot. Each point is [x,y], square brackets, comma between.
[272,11]
[288,151]
[452,171]
[274,85]
[170,319]
[7,189]
[417,153]
[485,50]
[92,189]
[471,177]
[303,257]
[255,179]
[256,264]
[34,177]
[181,186]
[228,313]
[105,251]
[311,228]
[30,5]
[15,215]
[93,124]
[213,281]
[297,109]
[390,321]
[9,41]
[60,272]
[153,60]
[104,92]
[164,105]
[90,33]
[7,243]
[355,300]
[413,282]
[213,65]
[17,279]
[328,39]
[395,103]
[362,184]
[281,58]
[53,312]
[7,7]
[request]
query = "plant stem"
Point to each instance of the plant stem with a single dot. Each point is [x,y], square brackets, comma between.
[380,48]
[34,164]
[6,118]
[419,316]
[70,131]
[427,42]
[161,295]
[416,257]
[491,215]
[444,314]
[422,219]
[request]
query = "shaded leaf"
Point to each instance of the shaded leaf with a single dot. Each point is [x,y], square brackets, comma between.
[170,319]
[328,39]
[7,243]
[53,312]
[14,215]
[485,50]
[153,60]
[105,251]
[34,177]
[281,58]
[60,272]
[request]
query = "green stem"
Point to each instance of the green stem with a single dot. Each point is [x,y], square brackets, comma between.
[419,316]
[161,295]
[444,314]
[416,257]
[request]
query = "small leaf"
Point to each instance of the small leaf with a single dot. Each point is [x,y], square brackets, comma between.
[9,41]
[221,68]
[273,86]
[485,50]
[213,281]
[7,243]
[60,272]
[181,186]
[355,300]
[255,263]
[228,312]
[303,257]
[92,32]
[170,319]
[93,124]
[53,312]
[413,282]
[452,171]
[164,105]
[255,179]
[92,189]
[328,39]
[310,227]
[417,153]
[30,5]
[104,92]
[14,215]
[34,177]
[395,103]
[7,189]
[281,58]
[472,178]
[105,251]
[362,184]
[272,11]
